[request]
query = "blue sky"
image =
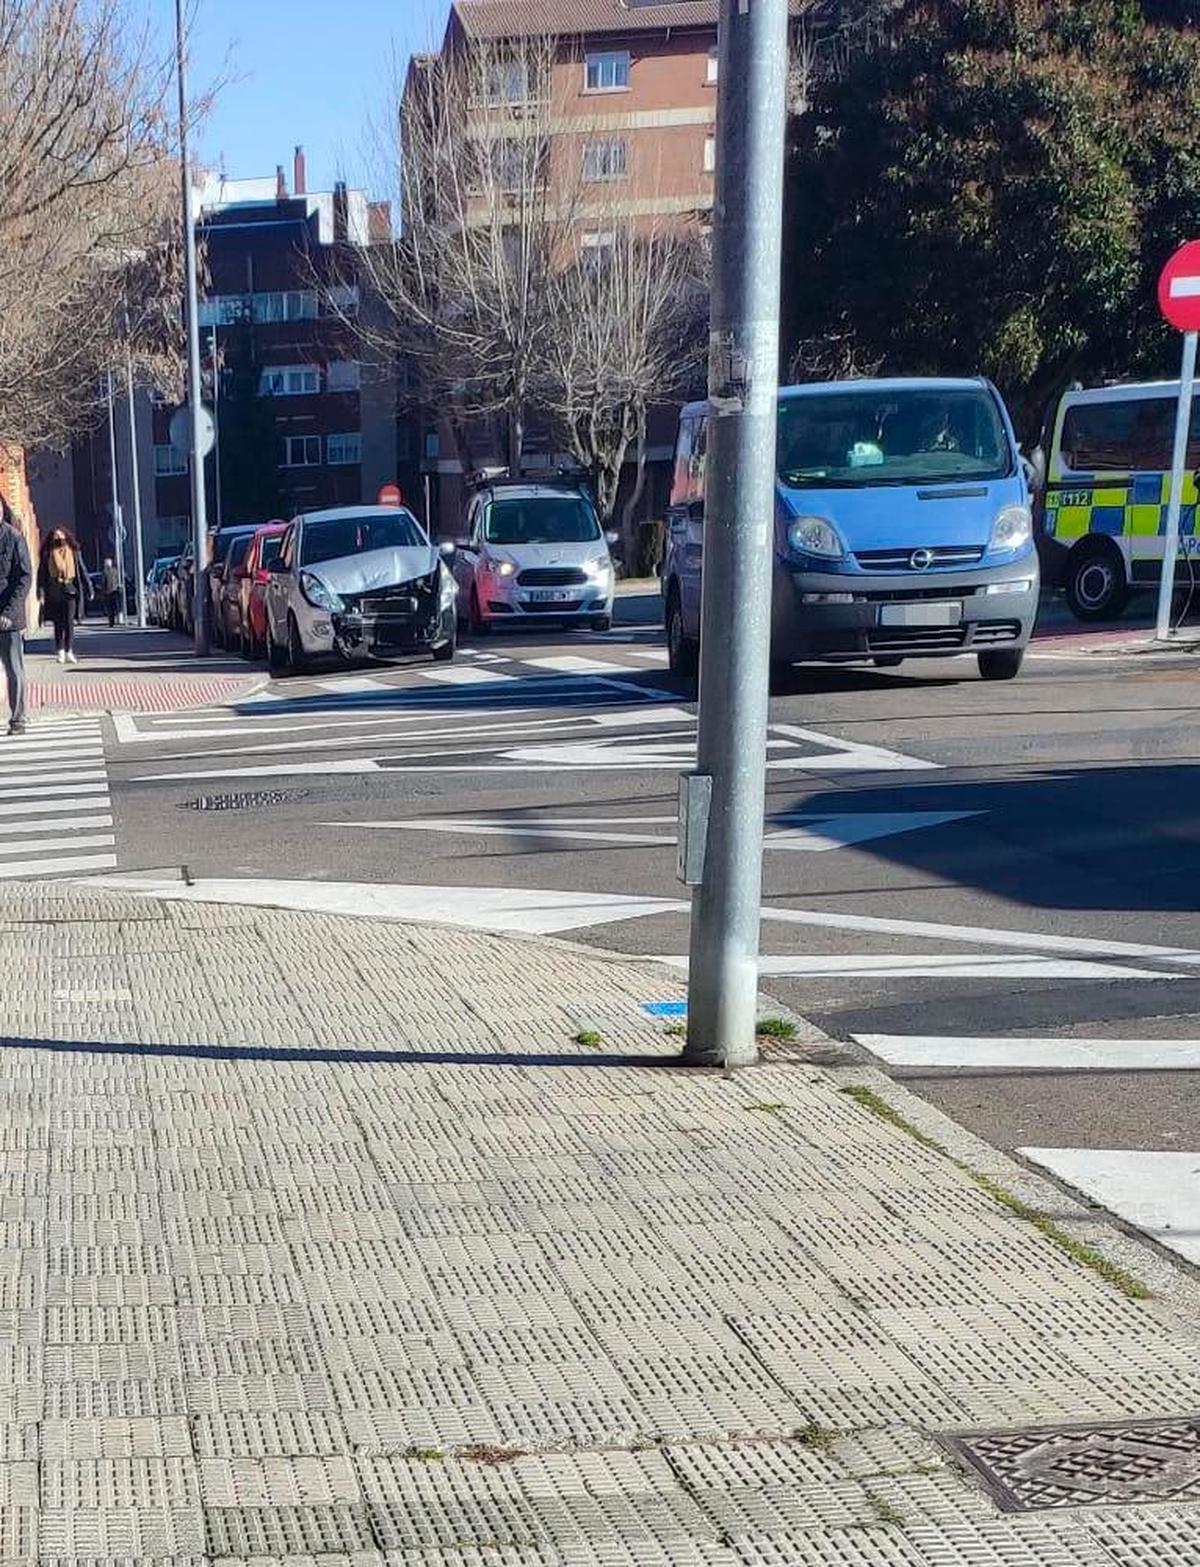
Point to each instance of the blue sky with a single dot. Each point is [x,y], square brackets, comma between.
[308,71]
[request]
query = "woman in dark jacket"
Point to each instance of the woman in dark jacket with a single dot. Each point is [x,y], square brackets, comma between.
[64,590]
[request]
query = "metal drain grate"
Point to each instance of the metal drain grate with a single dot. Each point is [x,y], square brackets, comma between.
[1074,1466]
[253,801]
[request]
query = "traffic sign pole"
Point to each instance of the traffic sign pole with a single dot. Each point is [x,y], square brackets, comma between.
[1179,301]
[1183,419]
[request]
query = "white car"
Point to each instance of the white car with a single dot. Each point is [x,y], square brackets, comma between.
[534,552]
[358,583]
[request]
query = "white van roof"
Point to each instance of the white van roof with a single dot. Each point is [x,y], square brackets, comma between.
[1122,392]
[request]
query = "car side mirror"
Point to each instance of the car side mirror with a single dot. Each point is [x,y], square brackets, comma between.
[447,549]
[612,537]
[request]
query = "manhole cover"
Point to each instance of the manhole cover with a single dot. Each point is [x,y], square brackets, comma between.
[1071,1466]
[245,802]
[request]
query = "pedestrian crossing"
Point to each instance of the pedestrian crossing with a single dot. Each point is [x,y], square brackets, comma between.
[480,669]
[55,811]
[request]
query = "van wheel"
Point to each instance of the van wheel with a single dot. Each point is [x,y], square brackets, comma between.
[276,661]
[444,652]
[602,623]
[683,655]
[1096,584]
[890,662]
[479,626]
[1002,663]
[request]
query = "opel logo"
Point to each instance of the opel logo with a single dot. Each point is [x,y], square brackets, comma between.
[921,560]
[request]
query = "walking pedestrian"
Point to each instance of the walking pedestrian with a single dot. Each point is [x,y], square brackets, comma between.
[16,577]
[64,590]
[112,590]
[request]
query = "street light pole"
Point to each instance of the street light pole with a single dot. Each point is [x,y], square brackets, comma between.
[199,518]
[115,492]
[139,559]
[735,626]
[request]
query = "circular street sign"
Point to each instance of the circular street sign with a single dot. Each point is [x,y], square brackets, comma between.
[389,495]
[1179,288]
[181,430]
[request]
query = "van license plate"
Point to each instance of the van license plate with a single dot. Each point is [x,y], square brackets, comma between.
[921,614]
[550,595]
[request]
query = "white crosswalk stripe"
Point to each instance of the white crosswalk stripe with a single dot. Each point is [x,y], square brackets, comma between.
[55,811]
[465,675]
[577,664]
[1155,1190]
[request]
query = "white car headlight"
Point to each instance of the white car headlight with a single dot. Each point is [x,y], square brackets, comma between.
[318,594]
[815,536]
[600,567]
[449,590]
[502,568]
[1012,529]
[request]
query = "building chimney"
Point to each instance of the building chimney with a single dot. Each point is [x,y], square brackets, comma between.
[299,173]
[341,213]
[280,183]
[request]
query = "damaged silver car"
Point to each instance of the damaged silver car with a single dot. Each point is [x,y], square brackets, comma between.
[359,583]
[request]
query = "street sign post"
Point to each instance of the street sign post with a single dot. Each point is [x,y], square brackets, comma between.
[1179,301]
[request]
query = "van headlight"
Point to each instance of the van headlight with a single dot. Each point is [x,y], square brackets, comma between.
[815,536]
[600,567]
[318,595]
[1012,529]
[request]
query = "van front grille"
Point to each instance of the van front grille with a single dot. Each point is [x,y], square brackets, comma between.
[941,557]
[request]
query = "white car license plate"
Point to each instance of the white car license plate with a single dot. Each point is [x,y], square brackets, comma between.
[550,595]
[921,614]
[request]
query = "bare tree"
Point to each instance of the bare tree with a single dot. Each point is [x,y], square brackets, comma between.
[486,203]
[629,330]
[84,137]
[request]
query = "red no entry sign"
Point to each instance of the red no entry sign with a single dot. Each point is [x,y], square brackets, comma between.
[1179,288]
[389,494]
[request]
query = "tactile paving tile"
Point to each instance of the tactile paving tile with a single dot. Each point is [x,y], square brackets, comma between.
[116,1437]
[715,1466]
[121,1532]
[875,1547]
[890,1450]
[780,1509]
[146,1483]
[1148,1536]
[130,1398]
[19,1484]
[269,1434]
[1008,1542]
[272,1482]
[943,1497]
[287,1531]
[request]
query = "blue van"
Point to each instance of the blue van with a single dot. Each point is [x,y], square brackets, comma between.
[902,528]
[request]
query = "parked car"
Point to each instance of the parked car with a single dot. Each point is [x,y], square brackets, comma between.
[219,544]
[255,576]
[359,582]
[534,552]
[902,528]
[226,577]
[180,608]
[158,592]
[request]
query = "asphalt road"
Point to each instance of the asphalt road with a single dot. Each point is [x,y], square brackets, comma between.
[947,860]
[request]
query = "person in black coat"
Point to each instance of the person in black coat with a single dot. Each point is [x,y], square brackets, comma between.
[64,589]
[16,577]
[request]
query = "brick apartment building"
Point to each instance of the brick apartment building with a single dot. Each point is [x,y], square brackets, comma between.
[634,94]
[276,264]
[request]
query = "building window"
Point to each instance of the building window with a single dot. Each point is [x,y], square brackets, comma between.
[168,462]
[292,305]
[289,381]
[713,68]
[606,160]
[343,375]
[505,80]
[607,71]
[302,451]
[710,154]
[222,310]
[341,450]
[173,533]
[342,299]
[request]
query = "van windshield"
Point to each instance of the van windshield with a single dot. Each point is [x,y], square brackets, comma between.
[541,519]
[858,439]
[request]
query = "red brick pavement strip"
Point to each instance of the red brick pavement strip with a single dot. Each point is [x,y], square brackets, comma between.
[105,694]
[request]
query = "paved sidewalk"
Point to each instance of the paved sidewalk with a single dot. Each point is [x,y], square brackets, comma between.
[127,670]
[328,1241]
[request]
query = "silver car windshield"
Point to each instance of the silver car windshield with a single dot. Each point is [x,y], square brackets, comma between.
[858,439]
[339,537]
[541,519]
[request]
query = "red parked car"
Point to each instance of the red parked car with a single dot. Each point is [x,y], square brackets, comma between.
[254,575]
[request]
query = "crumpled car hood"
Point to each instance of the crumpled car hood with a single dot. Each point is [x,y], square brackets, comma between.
[386,568]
